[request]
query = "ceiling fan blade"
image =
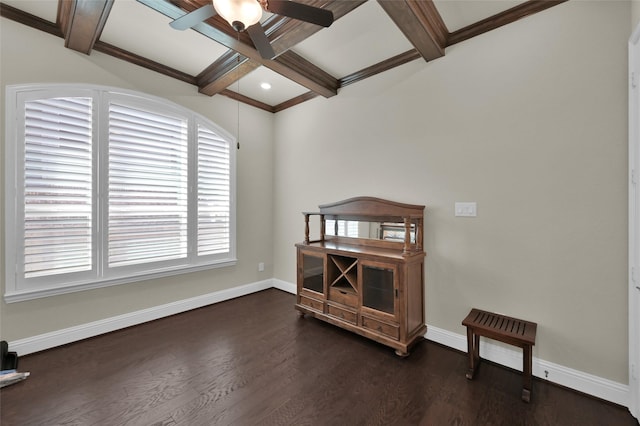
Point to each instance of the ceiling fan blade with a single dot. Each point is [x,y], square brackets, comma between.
[260,40]
[300,11]
[193,18]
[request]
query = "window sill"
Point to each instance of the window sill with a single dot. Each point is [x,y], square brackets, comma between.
[37,293]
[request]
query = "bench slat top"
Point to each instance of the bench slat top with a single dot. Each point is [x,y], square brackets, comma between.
[513,328]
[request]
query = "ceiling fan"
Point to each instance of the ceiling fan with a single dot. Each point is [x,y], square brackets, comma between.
[246,14]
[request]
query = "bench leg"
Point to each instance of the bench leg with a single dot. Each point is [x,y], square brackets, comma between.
[527,380]
[473,349]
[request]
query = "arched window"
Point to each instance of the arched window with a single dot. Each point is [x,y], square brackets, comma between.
[105,186]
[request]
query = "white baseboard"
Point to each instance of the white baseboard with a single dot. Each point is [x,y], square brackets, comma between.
[284,286]
[580,381]
[583,382]
[95,328]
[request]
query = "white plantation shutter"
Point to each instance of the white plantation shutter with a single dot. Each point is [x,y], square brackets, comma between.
[214,193]
[106,186]
[57,186]
[147,186]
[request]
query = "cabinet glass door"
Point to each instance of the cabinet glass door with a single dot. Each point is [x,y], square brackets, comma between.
[378,291]
[313,273]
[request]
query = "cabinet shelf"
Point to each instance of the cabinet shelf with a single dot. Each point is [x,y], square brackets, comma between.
[343,273]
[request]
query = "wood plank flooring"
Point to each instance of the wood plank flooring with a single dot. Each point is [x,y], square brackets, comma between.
[254,361]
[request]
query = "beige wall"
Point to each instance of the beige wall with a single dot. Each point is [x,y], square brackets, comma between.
[529,121]
[29,56]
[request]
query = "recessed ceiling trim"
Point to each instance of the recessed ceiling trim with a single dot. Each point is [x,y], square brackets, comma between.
[116,52]
[246,100]
[294,101]
[29,20]
[500,19]
[385,65]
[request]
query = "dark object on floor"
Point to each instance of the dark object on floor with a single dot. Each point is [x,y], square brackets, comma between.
[509,330]
[9,359]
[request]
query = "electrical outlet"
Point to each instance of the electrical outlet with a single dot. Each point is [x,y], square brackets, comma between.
[261,267]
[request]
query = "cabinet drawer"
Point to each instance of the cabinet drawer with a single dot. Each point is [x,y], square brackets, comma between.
[344,297]
[312,303]
[343,314]
[389,330]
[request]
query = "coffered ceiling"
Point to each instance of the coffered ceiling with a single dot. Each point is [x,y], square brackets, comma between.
[367,37]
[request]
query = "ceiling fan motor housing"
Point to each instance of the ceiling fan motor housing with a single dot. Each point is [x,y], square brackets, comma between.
[238,26]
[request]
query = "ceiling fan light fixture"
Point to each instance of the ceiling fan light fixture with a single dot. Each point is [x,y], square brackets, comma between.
[240,14]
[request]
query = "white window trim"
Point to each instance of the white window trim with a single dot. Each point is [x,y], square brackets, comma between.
[13,292]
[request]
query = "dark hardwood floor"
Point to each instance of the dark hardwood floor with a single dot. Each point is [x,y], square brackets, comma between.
[253,361]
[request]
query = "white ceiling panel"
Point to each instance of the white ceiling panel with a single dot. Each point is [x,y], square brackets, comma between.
[282,89]
[358,40]
[139,29]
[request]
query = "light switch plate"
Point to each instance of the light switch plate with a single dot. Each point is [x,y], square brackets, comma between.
[466,209]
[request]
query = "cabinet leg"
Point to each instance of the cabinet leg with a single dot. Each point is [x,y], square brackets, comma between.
[402,354]
[300,314]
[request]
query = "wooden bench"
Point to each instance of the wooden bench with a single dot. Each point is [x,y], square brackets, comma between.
[505,329]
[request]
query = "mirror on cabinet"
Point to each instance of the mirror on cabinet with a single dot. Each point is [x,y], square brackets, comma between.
[385,231]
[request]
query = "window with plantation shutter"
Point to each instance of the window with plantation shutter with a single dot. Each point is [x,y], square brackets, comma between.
[105,187]
[214,197]
[57,186]
[147,186]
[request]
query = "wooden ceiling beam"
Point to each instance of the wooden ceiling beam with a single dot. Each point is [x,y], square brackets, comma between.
[297,65]
[309,75]
[284,33]
[82,21]
[224,72]
[290,63]
[38,23]
[421,24]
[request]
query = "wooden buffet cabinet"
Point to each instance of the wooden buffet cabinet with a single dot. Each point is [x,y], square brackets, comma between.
[371,284]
